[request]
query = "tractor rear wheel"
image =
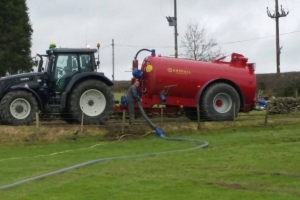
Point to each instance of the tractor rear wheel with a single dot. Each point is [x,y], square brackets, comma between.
[94,100]
[18,108]
[219,102]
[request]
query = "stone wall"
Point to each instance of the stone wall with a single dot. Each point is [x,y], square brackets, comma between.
[283,105]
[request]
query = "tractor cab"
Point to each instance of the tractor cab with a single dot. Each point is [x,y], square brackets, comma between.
[65,63]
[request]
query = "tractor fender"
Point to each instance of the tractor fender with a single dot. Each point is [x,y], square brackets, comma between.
[27,89]
[82,77]
[220,80]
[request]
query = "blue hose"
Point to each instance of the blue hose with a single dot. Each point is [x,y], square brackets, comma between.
[159,134]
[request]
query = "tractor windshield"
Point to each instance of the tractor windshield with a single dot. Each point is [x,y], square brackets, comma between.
[66,67]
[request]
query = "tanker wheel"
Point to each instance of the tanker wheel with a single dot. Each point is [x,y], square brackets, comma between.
[92,98]
[18,108]
[218,102]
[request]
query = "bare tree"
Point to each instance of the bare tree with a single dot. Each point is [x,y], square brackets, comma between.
[198,47]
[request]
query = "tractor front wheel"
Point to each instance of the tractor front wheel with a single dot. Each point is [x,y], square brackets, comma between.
[18,108]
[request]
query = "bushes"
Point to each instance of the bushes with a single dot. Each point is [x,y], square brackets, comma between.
[282,85]
[121,86]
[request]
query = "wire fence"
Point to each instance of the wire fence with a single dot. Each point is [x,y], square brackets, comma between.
[196,115]
[53,127]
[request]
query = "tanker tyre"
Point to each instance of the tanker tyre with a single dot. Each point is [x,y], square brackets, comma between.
[92,98]
[218,102]
[18,108]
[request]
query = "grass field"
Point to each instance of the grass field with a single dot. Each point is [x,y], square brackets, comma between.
[242,162]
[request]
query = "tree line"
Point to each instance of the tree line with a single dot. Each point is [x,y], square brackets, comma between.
[15,37]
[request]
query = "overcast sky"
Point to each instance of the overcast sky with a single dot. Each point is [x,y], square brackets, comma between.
[136,24]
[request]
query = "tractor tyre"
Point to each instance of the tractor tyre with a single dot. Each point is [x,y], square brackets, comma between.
[94,100]
[218,101]
[18,108]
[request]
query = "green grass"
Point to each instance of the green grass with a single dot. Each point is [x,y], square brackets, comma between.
[240,163]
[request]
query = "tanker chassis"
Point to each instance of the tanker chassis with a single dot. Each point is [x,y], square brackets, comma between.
[221,89]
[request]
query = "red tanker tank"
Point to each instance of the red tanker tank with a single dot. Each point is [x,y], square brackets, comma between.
[220,88]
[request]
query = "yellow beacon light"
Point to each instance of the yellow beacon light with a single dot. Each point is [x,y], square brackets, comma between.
[52,45]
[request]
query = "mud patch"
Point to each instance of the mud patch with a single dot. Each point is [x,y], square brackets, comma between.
[126,131]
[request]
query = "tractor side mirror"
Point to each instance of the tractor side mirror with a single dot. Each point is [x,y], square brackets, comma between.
[36,63]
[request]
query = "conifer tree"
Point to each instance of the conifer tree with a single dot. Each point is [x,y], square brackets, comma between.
[15,37]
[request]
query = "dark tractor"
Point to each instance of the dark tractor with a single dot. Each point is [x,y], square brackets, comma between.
[69,84]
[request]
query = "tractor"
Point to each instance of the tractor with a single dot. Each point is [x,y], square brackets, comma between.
[68,84]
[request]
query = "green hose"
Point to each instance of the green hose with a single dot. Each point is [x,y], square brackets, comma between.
[159,133]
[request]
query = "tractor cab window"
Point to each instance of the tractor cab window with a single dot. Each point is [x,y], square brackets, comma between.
[45,65]
[66,67]
[86,62]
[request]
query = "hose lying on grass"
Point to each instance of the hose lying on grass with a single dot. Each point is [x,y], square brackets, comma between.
[159,134]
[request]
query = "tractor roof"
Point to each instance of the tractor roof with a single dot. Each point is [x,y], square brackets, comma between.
[73,50]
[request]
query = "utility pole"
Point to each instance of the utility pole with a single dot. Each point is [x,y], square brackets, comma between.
[175,27]
[173,22]
[276,15]
[113,60]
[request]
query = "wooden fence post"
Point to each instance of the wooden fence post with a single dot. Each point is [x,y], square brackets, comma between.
[81,129]
[267,114]
[234,112]
[123,121]
[161,115]
[37,120]
[198,116]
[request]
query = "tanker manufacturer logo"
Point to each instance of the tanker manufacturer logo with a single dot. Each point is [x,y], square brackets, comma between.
[149,68]
[179,71]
